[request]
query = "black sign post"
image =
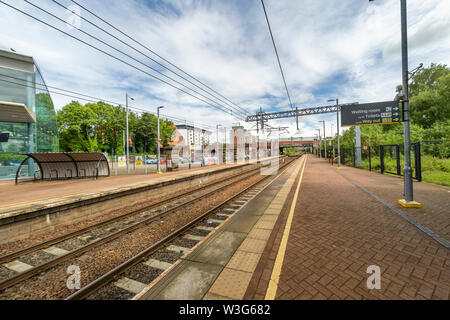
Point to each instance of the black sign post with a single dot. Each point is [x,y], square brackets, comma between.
[387,112]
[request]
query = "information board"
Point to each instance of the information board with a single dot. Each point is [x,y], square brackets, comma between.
[387,112]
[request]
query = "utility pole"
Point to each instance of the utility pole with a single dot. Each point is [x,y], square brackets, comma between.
[324,139]
[217,134]
[407,170]
[320,144]
[262,120]
[158,142]
[128,136]
[296,112]
[338,124]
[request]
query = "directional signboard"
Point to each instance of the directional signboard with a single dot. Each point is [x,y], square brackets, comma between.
[387,112]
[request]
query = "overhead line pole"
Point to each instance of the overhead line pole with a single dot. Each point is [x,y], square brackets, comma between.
[407,171]
[128,137]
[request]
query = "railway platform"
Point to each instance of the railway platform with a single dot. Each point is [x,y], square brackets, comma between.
[318,233]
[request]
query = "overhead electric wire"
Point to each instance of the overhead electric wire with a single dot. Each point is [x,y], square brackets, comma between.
[116,58]
[238,109]
[276,52]
[88,98]
[153,52]
[129,56]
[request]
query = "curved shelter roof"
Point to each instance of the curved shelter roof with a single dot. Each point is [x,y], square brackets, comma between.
[69,165]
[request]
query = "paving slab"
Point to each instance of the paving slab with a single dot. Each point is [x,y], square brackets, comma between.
[205,228]
[56,251]
[130,285]
[231,284]
[190,281]
[17,266]
[218,250]
[157,264]
[177,249]
[193,237]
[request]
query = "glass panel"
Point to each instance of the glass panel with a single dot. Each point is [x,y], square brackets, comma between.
[19,87]
[47,130]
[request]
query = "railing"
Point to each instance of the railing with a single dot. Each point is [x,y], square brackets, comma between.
[430,160]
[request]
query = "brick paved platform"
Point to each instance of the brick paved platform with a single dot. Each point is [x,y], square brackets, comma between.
[347,220]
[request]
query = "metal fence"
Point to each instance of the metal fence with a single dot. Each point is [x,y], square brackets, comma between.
[145,164]
[390,158]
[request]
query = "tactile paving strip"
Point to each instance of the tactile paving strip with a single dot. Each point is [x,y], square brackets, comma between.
[231,283]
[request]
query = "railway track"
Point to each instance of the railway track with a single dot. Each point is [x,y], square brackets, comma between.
[95,235]
[129,278]
[129,222]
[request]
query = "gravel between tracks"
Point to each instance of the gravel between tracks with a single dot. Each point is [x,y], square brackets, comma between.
[52,284]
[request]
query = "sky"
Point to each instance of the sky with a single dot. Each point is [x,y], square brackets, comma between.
[347,49]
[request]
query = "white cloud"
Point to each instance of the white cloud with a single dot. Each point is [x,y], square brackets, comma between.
[348,49]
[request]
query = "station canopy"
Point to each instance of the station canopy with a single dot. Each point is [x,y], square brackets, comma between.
[16,113]
[69,165]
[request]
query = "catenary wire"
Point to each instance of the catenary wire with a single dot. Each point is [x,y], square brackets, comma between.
[119,59]
[129,56]
[276,52]
[153,52]
[84,97]
[224,100]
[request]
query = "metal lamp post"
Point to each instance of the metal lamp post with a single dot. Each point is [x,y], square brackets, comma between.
[324,139]
[407,170]
[338,133]
[217,138]
[320,144]
[158,165]
[128,137]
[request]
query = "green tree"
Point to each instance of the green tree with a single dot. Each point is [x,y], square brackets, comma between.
[77,125]
[100,126]
[430,96]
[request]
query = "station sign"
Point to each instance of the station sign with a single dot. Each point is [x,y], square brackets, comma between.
[387,112]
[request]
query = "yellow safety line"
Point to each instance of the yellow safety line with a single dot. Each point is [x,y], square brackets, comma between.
[276,272]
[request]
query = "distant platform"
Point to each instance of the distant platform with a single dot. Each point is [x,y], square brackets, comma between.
[31,196]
